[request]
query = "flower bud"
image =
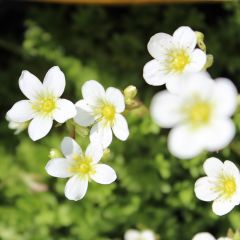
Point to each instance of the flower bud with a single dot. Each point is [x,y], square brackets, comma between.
[209,61]
[54,153]
[200,40]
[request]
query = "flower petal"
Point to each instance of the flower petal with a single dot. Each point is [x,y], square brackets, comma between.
[212,167]
[65,110]
[154,74]
[159,44]
[148,234]
[204,236]
[165,109]
[54,81]
[197,62]
[185,37]
[101,133]
[184,142]
[204,189]
[132,234]
[76,188]
[115,97]
[84,115]
[93,92]
[231,169]
[39,127]
[222,206]
[225,97]
[21,111]
[58,167]
[219,134]
[104,174]
[70,147]
[120,127]
[30,85]
[94,151]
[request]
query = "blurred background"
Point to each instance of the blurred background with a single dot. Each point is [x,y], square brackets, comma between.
[108,43]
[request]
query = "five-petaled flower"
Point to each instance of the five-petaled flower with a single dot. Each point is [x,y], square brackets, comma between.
[221,185]
[174,56]
[102,109]
[44,103]
[208,236]
[80,167]
[133,234]
[199,113]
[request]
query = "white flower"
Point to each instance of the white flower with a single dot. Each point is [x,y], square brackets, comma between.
[80,167]
[18,127]
[102,110]
[43,104]
[173,57]
[221,185]
[132,234]
[199,113]
[208,236]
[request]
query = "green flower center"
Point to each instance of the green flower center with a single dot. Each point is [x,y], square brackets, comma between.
[178,59]
[82,165]
[108,112]
[45,105]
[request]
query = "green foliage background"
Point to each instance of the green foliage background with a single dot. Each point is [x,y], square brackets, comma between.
[154,190]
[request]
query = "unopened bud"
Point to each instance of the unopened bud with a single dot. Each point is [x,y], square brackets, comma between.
[200,40]
[81,131]
[54,153]
[130,93]
[209,61]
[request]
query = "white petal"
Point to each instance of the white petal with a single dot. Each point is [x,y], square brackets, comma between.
[204,236]
[101,133]
[30,85]
[197,62]
[21,111]
[104,174]
[222,206]
[204,189]
[159,44]
[230,168]
[115,97]
[148,235]
[94,151]
[39,127]
[65,110]
[185,37]
[175,83]
[70,147]
[54,81]
[212,167]
[184,142]
[120,127]
[84,115]
[59,167]
[93,92]
[154,74]
[131,234]
[76,188]
[224,97]
[219,134]
[197,84]
[165,109]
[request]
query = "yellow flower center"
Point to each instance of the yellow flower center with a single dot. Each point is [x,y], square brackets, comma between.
[199,113]
[178,59]
[108,112]
[82,165]
[45,105]
[227,186]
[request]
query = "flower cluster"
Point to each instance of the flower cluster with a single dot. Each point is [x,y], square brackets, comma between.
[99,108]
[197,108]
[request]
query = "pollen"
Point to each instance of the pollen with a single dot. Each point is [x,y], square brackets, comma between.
[199,113]
[178,60]
[108,112]
[45,105]
[82,165]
